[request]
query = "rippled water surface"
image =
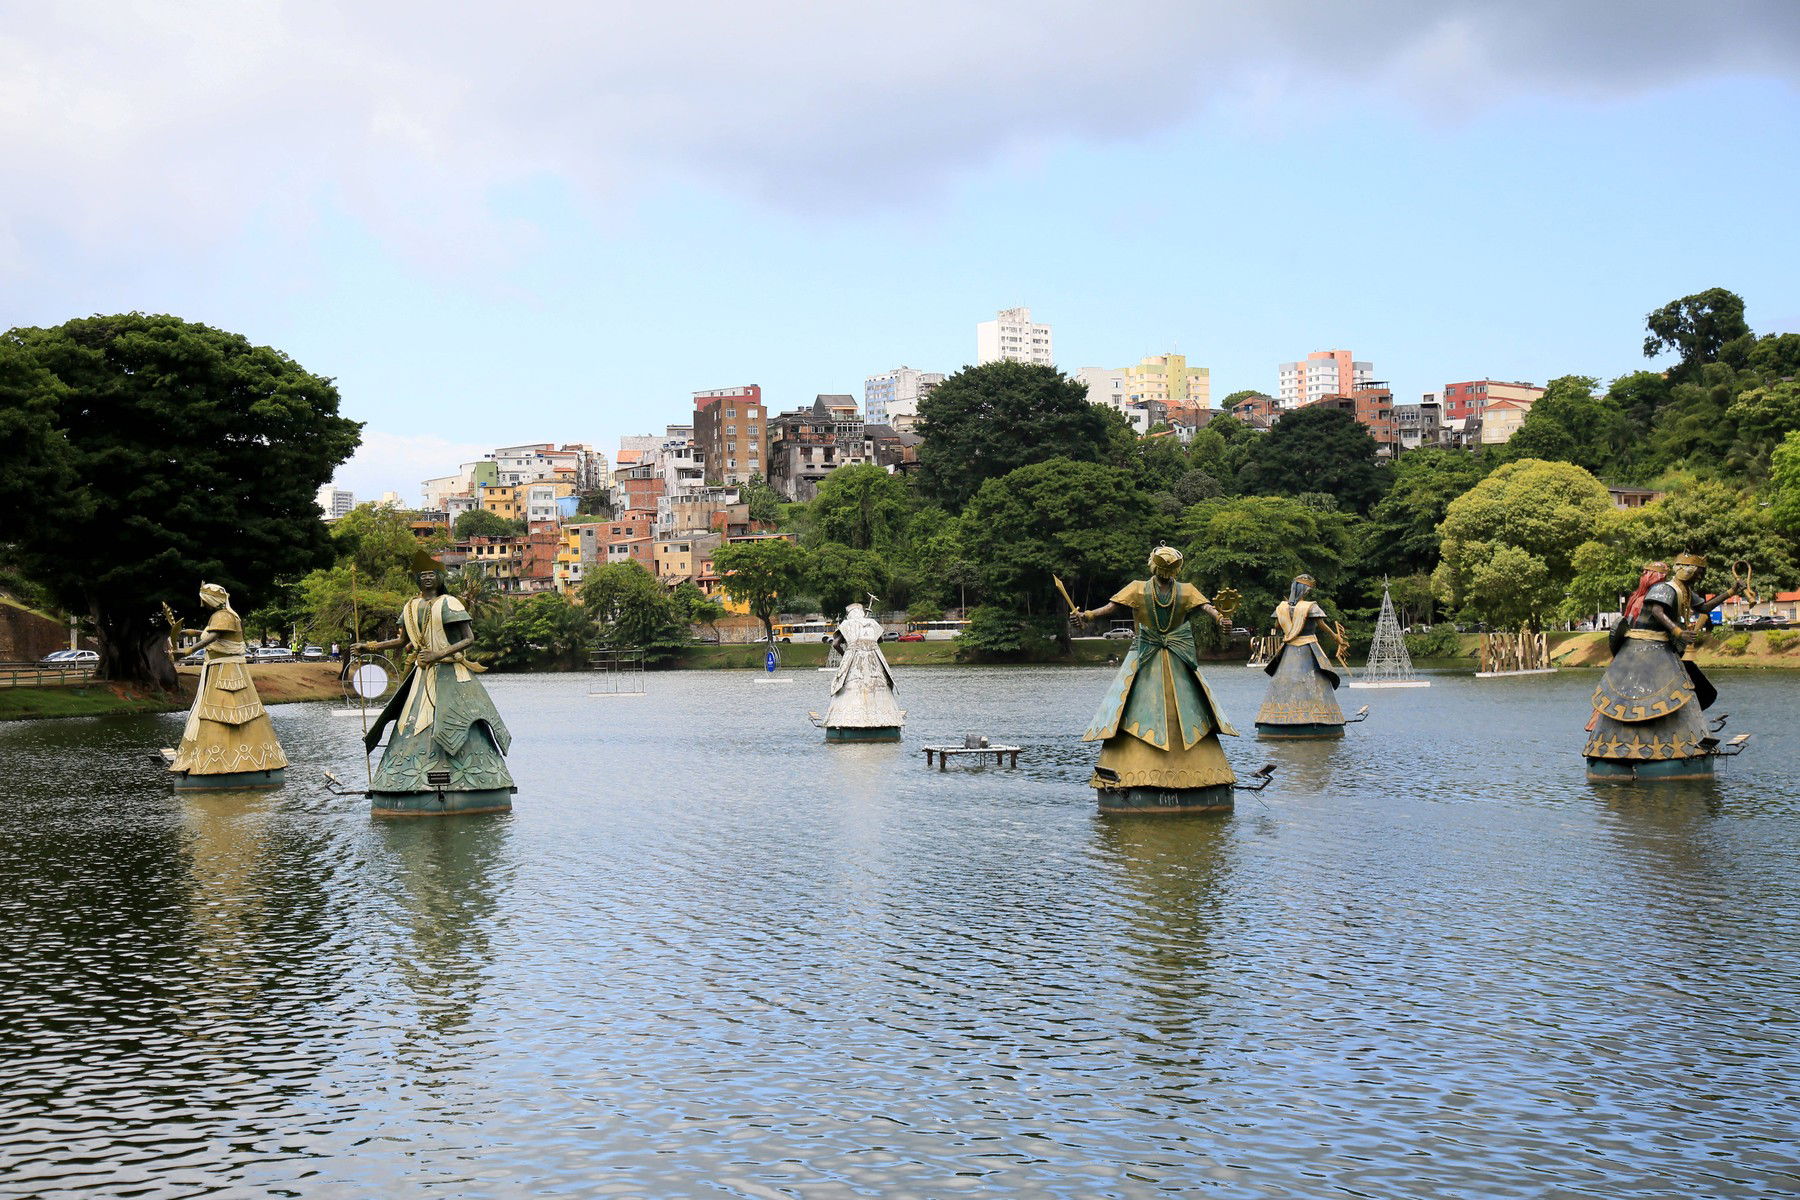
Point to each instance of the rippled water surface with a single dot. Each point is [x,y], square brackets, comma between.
[708,955]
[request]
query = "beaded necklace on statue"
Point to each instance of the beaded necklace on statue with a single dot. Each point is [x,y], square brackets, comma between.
[1162,607]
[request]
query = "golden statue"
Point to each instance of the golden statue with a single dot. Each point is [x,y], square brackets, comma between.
[228,741]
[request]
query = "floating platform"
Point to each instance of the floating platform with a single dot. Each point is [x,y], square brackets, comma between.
[1616,770]
[1165,802]
[864,733]
[1298,733]
[1389,683]
[1000,753]
[439,804]
[1509,674]
[182,781]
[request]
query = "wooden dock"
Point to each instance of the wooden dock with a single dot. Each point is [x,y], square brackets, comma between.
[1000,753]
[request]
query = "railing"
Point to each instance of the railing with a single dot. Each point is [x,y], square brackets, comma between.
[45,674]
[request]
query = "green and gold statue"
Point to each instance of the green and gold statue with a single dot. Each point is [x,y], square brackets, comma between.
[1299,702]
[1159,726]
[447,753]
[228,741]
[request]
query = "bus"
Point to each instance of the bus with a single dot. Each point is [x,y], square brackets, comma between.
[934,631]
[804,631]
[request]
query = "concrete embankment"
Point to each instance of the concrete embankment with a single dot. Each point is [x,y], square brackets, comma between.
[276,683]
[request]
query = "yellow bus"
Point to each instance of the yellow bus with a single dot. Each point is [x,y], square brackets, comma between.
[804,631]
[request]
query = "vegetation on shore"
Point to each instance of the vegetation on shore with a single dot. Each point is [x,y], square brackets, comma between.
[276,683]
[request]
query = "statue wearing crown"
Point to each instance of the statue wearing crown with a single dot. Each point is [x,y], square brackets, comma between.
[228,741]
[447,752]
[1647,721]
[1299,702]
[1159,725]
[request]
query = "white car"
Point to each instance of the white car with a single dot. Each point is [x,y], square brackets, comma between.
[70,658]
[271,654]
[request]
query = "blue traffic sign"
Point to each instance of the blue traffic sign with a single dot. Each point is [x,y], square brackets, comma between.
[769,662]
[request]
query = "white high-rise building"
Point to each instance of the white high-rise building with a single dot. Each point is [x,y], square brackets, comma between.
[1011,337]
[334,502]
[1320,374]
[892,398]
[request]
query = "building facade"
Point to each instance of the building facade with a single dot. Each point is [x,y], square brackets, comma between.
[807,444]
[1012,336]
[334,502]
[1320,374]
[892,398]
[731,434]
[1469,397]
[1168,383]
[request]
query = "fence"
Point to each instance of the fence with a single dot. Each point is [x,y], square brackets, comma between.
[44,674]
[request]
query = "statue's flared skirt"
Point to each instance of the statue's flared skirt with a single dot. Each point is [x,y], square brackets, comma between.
[1648,678]
[1299,697]
[412,757]
[1135,763]
[221,749]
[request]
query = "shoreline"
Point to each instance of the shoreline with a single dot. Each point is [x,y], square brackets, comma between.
[276,683]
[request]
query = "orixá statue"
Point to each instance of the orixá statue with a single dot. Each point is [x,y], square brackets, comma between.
[862,692]
[1159,726]
[447,754]
[1647,721]
[1299,702]
[228,741]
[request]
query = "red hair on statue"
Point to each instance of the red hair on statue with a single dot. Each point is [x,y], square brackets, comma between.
[1654,573]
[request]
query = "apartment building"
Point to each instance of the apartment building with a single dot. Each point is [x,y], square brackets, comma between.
[1012,336]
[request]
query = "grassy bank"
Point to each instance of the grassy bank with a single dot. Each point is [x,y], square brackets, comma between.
[276,683]
[1775,649]
[901,654]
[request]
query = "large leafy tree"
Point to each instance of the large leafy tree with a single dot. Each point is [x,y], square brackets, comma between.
[633,610]
[1569,423]
[985,421]
[938,566]
[1539,513]
[543,632]
[482,522]
[861,506]
[1088,523]
[1257,544]
[841,576]
[1697,327]
[1315,449]
[177,453]
[764,502]
[339,604]
[760,574]
[1401,536]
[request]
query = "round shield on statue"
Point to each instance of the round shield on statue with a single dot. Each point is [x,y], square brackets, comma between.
[369,681]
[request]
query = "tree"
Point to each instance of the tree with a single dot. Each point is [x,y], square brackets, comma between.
[1085,522]
[481,522]
[542,632]
[1194,486]
[840,577]
[763,500]
[1697,328]
[759,573]
[1569,423]
[862,507]
[1257,544]
[995,632]
[1542,510]
[938,566]
[595,504]
[1236,398]
[633,610]
[1766,415]
[177,453]
[1315,449]
[985,421]
[1401,537]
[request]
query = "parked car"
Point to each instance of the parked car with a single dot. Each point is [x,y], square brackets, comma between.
[1759,621]
[1119,634]
[54,657]
[313,654]
[271,654]
[70,658]
[914,636]
[193,658]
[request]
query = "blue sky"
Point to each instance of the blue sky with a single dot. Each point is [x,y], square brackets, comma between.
[489,233]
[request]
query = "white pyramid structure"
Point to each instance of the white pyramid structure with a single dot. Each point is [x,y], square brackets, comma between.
[1389,664]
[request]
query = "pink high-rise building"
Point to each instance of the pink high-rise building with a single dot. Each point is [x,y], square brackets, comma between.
[1320,374]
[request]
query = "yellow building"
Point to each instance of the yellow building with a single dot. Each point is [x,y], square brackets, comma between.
[1167,379]
[568,560]
[504,500]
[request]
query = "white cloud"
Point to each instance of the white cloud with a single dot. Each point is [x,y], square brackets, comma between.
[126,127]
[399,462]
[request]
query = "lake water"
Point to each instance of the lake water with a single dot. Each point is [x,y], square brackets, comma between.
[709,955]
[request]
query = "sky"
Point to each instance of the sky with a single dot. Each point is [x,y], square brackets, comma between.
[490,225]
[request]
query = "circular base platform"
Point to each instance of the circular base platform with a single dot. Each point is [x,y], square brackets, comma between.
[439,804]
[1297,733]
[1611,770]
[866,733]
[1165,801]
[182,781]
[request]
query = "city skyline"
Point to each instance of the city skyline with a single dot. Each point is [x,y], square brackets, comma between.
[1495,191]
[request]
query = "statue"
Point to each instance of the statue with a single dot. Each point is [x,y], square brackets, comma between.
[1647,721]
[862,692]
[1299,702]
[1159,726]
[447,751]
[228,741]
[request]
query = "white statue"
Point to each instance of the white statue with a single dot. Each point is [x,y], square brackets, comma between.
[862,692]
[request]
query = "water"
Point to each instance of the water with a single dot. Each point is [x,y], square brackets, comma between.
[710,956]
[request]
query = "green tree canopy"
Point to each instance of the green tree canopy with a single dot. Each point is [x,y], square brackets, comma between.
[764,501]
[1697,327]
[338,604]
[840,576]
[1401,537]
[1258,544]
[1086,522]
[1315,449]
[1569,423]
[1544,510]
[175,453]
[542,632]
[482,522]
[633,610]
[938,566]
[760,574]
[985,421]
[861,506]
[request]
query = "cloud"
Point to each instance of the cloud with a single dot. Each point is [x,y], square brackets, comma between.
[398,462]
[128,129]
